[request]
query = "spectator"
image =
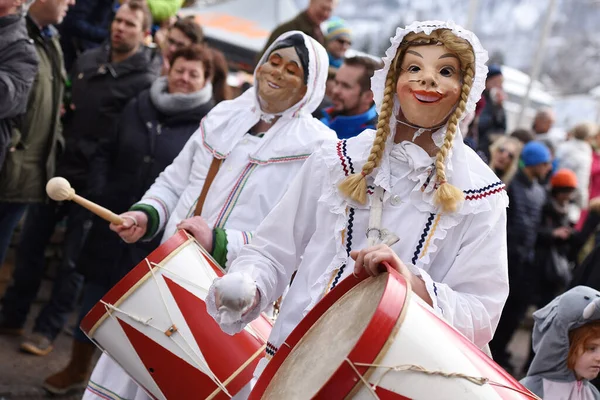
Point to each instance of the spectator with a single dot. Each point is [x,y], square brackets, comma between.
[543,122]
[155,126]
[527,197]
[186,32]
[492,120]
[523,135]
[106,78]
[37,134]
[85,27]
[576,154]
[308,21]
[18,66]
[566,337]
[594,185]
[337,41]
[504,157]
[353,108]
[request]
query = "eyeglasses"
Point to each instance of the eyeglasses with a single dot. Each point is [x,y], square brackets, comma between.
[503,150]
[175,43]
[344,42]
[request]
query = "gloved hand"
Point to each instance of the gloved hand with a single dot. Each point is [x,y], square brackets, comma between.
[235,295]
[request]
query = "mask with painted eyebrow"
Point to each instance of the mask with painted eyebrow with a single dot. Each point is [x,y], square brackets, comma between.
[429,85]
[280,81]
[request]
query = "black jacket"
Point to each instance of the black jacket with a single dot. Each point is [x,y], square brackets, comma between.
[124,169]
[551,250]
[18,67]
[100,92]
[523,219]
[85,27]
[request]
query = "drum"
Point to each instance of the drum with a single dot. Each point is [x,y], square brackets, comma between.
[154,324]
[372,338]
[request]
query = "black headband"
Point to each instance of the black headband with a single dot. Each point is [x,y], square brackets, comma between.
[297,42]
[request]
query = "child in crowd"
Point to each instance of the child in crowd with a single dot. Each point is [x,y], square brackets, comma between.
[566,340]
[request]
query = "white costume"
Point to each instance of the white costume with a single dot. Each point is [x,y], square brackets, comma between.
[460,256]
[253,177]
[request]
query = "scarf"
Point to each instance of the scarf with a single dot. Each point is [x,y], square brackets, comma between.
[174,103]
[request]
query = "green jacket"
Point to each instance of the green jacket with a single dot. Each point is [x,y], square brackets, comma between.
[37,135]
[300,23]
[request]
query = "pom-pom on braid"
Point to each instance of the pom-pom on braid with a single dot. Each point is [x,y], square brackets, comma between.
[446,195]
[355,185]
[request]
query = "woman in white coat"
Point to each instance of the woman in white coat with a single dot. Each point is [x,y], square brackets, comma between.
[442,219]
[260,140]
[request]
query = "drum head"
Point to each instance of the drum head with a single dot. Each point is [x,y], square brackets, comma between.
[327,344]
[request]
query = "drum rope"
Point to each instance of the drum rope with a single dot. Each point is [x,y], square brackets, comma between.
[210,374]
[146,322]
[477,380]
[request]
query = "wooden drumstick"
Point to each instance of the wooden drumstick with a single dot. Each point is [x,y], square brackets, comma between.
[59,189]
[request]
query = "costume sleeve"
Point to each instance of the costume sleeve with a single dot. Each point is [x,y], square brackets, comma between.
[227,244]
[276,249]
[162,197]
[472,294]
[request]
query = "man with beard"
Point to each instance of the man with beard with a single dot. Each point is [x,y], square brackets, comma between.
[104,80]
[353,108]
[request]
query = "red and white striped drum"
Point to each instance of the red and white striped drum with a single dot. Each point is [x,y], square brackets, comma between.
[154,324]
[372,338]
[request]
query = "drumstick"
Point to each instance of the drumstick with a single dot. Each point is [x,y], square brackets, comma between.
[59,189]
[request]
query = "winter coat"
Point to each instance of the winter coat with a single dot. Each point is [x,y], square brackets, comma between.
[523,219]
[100,92]
[554,257]
[302,23]
[147,142]
[37,134]
[548,376]
[492,120]
[588,273]
[85,27]
[576,155]
[349,126]
[18,66]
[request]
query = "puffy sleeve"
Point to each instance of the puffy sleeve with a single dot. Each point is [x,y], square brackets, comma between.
[472,294]
[277,247]
[162,197]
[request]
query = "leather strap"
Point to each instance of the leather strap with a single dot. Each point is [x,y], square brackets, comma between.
[212,172]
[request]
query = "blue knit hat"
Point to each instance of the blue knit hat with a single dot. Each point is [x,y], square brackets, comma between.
[493,70]
[535,153]
[337,28]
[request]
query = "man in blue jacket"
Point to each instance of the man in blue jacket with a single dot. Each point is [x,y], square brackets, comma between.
[353,108]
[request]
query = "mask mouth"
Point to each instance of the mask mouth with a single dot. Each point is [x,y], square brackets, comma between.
[273,85]
[426,97]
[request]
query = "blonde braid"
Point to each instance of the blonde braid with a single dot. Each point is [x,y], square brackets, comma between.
[448,196]
[355,185]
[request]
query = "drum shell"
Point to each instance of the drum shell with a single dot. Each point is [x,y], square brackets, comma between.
[414,336]
[166,289]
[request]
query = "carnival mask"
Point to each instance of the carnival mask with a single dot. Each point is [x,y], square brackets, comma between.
[429,85]
[280,81]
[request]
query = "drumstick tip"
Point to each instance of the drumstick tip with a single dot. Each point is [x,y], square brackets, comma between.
[59,189]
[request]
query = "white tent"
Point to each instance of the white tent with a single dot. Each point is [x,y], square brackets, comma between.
[240,28]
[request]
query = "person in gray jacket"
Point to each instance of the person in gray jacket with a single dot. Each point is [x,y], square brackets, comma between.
[18,66]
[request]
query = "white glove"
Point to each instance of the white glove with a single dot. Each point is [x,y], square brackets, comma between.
[235,295]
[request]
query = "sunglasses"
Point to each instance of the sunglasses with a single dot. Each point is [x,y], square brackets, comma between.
[344,42]
[503,150]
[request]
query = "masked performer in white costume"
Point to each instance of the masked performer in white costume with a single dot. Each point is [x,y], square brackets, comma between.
[261,140]
[409,193]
